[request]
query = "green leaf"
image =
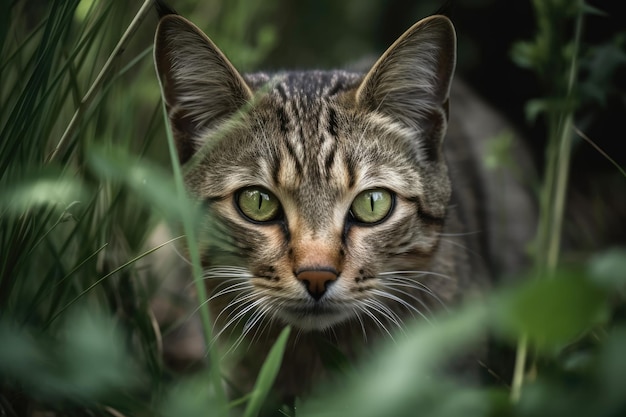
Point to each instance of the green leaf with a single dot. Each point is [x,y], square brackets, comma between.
[609,268]
[404,378]
[551,311]
[147,181]
[499,152]
[524,54]
[87,362]
[42,190]
[534,108]
[611,370]
[589,9]
[267,375]
[191,397]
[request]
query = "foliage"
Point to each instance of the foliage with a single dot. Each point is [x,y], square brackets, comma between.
[77,335]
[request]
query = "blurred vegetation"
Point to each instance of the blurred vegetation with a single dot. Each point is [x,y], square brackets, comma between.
[77,337]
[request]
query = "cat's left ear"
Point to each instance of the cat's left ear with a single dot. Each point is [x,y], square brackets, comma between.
[199,85]
[411,81]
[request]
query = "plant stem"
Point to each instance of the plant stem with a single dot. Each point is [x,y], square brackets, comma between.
[520,365]
[194,254]
[553,196]
[563,156]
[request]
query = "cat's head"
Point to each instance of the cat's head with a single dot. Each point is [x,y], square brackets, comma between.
[328,189]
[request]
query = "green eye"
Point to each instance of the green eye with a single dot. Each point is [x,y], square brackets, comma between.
[371,206]
[258,204]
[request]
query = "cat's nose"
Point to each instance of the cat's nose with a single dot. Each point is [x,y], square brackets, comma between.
[316,281]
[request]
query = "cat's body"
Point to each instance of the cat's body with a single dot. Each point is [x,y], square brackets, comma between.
[335,207]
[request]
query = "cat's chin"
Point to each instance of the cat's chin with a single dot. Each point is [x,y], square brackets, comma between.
[315,318]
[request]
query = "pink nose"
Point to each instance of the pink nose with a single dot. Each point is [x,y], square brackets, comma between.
[316,281]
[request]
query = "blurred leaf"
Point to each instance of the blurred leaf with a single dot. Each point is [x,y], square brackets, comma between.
[609,268]
[597,390]
[54,191]
[499,152]
[83,9]
[524,54]
[534,108]
[191,397]
[404,379]
[589,9]
[602,65]
[611,370]
[87,363]
[149,182]
[551,106]
[551,311]
[94,356]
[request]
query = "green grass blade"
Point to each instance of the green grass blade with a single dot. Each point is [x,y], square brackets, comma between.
[100,280]
[267,375]
[194,254]
[70,131]
[600,151]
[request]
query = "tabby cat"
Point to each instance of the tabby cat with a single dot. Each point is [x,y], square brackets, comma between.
[336,206]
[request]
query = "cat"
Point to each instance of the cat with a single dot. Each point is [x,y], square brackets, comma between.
[343,204]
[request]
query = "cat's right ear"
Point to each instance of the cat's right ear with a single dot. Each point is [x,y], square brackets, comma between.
[411,81]
[200,87]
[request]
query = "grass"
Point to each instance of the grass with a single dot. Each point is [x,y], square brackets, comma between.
[82,184]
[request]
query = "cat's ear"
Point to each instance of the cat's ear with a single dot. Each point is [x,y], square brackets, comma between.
[199,85]
[411,81]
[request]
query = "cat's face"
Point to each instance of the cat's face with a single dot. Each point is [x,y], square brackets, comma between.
[327,190]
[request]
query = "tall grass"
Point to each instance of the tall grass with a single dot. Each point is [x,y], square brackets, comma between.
[79,197]
[80,128]
[70,311]
[558,72]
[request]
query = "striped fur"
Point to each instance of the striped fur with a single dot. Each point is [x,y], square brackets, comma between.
[315,140]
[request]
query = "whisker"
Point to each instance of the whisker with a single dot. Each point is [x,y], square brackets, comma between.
[239,299]
[333,333]
[399,300]
[415,273]
[268,319]
[236,317]
[257,303]
[227,271]
[375,319]
[257,316]
[459,245]
[386,312]
[475,232]
[416,285]
[238,287]
[358,317]
[265,314]
[393,287]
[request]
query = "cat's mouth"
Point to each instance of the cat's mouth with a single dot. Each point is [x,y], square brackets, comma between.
[314,317]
